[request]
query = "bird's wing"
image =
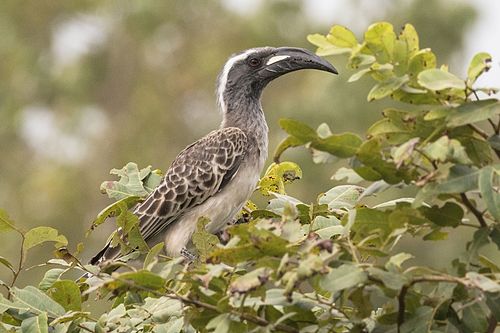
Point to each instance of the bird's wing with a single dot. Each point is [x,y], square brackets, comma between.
[197,173]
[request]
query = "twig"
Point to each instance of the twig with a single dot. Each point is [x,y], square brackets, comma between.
[425,278]
[20,265]
[473,210]
[492,324]
[479,131]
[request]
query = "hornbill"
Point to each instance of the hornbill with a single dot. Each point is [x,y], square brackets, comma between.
[214,176]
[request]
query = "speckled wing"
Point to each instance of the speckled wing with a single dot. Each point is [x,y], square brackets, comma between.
[198,172]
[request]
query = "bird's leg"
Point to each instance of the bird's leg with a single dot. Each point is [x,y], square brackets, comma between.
[188,255]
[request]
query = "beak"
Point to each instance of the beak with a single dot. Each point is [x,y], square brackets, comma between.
[290,59]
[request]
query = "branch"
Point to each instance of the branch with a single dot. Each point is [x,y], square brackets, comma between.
[425,278]
[473,210]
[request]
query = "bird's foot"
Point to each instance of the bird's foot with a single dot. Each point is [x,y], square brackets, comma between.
[188,255]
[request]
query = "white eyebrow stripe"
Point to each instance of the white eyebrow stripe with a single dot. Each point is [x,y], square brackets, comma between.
[223,78]
[276,59]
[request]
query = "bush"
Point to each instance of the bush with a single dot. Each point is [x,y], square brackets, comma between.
[327,266]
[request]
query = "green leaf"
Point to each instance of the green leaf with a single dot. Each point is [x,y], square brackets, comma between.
[288,142]
[494,141]
[343,277]
[391,280]
[250,281]
[437,79]
[475,318]
[351,175]
[36,324]
[153,252]
[436,235]
[473,112]
[204,241]
[461,179]
[342,145]
[299,130]
[114,209]
[142,279]
[40,235]
[419,322]
[6,224]
[380,38]
[6,263]
[450,215]
[489,182]
[484,283]
[480,63]
[130,182]
[410,37]
[446,150]
[325,47]
[50,276]
[341,197]
[66,293]
[397,260]
[493,302]
[342,37]
[37,301]
[327,227]
[387,87]
[163,308]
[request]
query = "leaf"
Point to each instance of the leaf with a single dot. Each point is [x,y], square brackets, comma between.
[410,37]
[204,241]
[327,227]
[380,38]
[437,79]
[40,235]
[277,175]
[350,174]
[480,63]
[37,301]
[475,318]
[493,302]
[341,197]
[489,183]
[299,130]
[473,112]
[391,280]
[36,324]
[66,293]
[153,252]
[129,184]
[422,60]
[402,154]
[449,215]
[50,276]
[250,281]
[483,282]
[342,145]
[419,322]
[397,260]
[325,48]
[387,87]
[6,224]
[342,37]
[6,263]
[343,277]
[461,179]
[446,150]
[142,279]
[288,142]
[113,210]
[494,141]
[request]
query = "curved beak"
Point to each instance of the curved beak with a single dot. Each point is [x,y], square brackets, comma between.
[290,59]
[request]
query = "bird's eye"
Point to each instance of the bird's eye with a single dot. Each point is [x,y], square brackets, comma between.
[254,62]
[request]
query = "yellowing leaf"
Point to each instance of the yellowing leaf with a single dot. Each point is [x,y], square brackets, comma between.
[481,62]
[387,87]
[40,235]
[437,79]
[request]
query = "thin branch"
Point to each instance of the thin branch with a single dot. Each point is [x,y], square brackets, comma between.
[492,324]
[425,278]
[473,210]
[479,131]
[20,265]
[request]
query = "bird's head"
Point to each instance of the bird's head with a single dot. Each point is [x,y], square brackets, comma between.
[245,74]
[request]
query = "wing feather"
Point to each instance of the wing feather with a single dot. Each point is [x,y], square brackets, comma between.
[197,173]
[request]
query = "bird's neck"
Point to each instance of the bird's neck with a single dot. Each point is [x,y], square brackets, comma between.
[246,115]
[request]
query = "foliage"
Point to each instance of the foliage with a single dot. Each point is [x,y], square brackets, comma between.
[331,265]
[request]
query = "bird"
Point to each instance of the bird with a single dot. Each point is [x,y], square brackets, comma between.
[215,176]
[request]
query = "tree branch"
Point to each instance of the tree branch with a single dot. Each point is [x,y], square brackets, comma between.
[473,210]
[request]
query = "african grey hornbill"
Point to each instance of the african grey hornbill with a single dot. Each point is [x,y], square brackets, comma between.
[215,176]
